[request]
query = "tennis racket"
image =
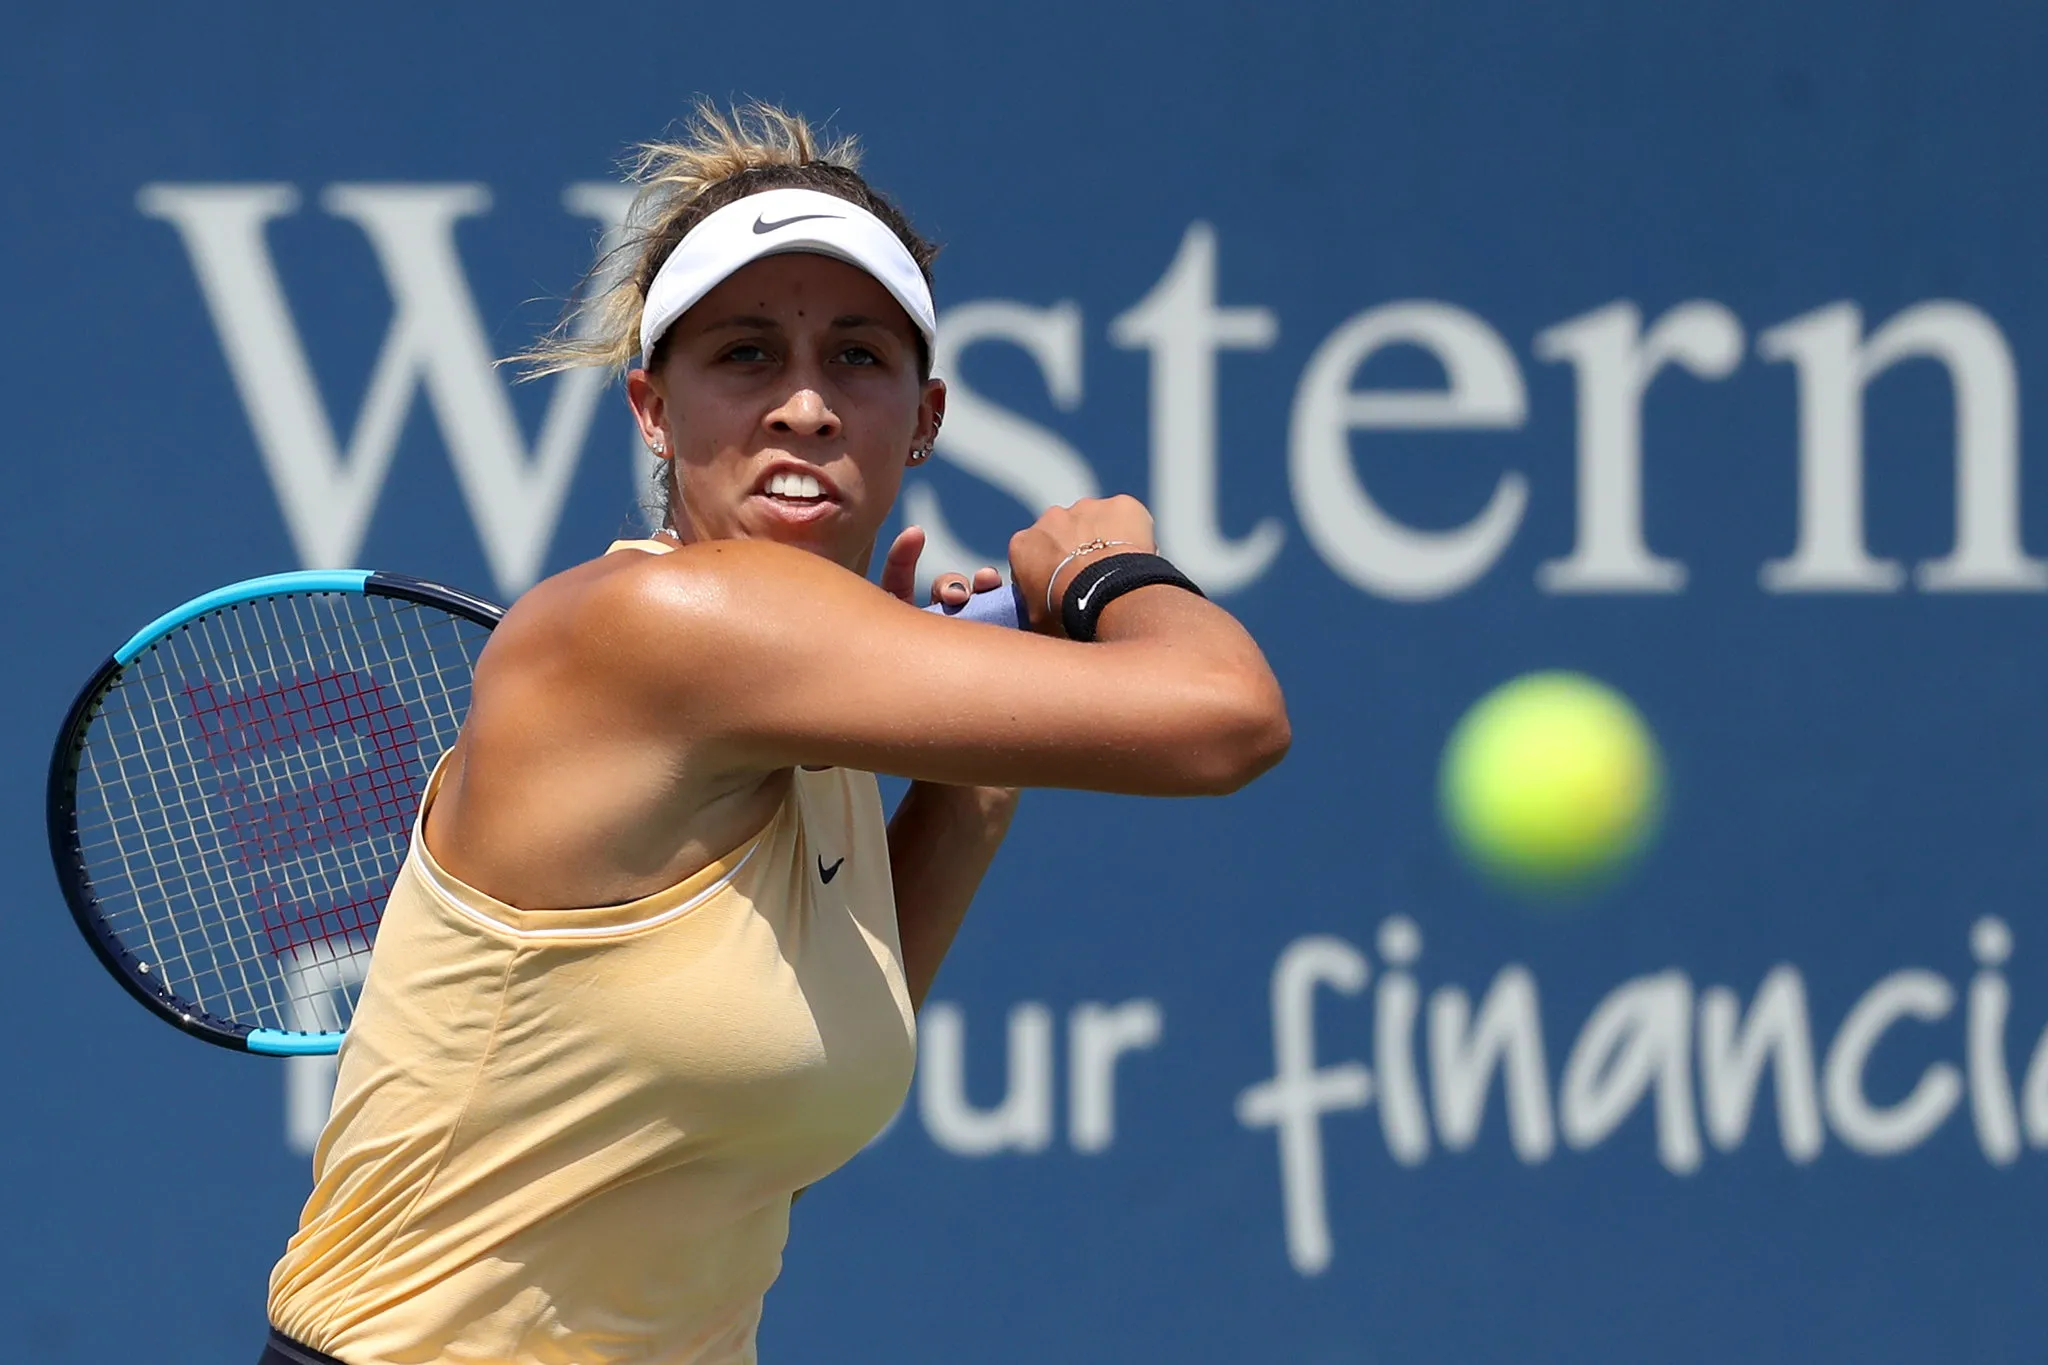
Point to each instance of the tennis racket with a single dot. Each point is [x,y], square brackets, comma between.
[233,792]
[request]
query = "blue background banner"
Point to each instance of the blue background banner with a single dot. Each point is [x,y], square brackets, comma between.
[1688,346]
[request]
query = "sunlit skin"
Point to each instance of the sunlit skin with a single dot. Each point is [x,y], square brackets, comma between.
[802,364]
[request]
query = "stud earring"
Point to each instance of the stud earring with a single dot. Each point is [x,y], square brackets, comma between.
[920,454]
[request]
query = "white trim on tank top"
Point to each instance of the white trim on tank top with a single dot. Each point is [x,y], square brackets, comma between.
[438,882]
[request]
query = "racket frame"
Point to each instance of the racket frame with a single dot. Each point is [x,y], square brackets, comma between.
[61,803]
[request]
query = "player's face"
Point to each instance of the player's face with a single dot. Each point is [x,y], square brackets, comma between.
[790,401]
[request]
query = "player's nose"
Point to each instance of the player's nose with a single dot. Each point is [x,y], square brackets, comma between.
[804,413]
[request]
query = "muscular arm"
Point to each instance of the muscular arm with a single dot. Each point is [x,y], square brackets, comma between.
[941,842]
[649,701]
[759,657]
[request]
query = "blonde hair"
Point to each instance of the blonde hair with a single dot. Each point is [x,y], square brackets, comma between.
[720,156]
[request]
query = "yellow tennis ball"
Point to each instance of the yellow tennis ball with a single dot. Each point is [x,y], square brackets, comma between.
[1551,782]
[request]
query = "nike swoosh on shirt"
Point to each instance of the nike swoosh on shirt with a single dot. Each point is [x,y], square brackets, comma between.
[762,225]
[826,874]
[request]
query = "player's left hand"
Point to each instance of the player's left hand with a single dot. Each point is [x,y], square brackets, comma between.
[899,573]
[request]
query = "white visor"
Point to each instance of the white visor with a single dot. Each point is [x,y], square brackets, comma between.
[772,223]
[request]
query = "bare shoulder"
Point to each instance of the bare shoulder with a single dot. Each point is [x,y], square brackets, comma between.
[582,777]
[691,580]
[631,619]
[719,577]
[548,624]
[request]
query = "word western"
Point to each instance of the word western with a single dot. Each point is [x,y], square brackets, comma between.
[436,345]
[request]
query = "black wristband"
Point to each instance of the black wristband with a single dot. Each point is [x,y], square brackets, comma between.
[1102,581]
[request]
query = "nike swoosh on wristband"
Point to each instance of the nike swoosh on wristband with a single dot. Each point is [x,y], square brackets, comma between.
[1081,602]
[762,225]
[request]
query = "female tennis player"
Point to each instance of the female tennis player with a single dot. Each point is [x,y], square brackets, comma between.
[652,963]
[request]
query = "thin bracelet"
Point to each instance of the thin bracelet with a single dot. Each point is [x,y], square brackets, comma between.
[1088,548]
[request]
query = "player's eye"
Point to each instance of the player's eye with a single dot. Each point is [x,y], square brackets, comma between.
[859,355]
[746,353]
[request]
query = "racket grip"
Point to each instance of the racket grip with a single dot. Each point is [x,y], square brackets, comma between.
[1002,606]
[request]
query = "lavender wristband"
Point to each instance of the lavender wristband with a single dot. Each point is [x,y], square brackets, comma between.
[1003,606]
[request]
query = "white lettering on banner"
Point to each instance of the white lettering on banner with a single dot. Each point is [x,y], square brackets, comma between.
[1181,325]
[435,342]
[515,493]
[1300,1092]
[2034,1095]
[1615,365]
[1733,1055]
[1023,1121]
[1636,1045]
[1463,1055]
[1097,1037]
[1023,459]
[1834,367]
[1866,1127]
[1991,1097]
[1482,391]
[1638,1039]
[1403,1119]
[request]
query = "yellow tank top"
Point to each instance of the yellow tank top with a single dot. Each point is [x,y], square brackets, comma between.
[571,1137]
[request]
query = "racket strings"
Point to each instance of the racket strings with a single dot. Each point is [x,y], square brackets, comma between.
[247,791]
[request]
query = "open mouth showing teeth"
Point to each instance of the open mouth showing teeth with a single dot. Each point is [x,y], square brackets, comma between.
[798,487]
